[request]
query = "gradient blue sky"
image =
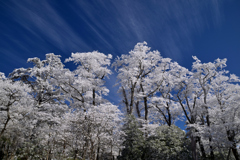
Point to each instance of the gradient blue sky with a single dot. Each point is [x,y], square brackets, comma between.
[208,29]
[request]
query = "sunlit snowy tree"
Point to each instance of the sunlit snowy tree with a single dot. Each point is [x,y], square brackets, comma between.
[48,111]
[15,108]
[97,118]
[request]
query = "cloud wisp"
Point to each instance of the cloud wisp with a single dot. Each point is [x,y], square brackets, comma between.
[111,27]
[42,20]
[168,24]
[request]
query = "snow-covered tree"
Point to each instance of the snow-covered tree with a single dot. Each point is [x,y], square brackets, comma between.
[96,117]
[50,112]
[201,95]
[49,106]
[15,107]
[220,96]
[146,82]
[87,82]
[135,73]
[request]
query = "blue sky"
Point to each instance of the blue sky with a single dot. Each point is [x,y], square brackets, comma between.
[208,29]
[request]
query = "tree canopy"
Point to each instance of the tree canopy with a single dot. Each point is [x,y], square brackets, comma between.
[51,112]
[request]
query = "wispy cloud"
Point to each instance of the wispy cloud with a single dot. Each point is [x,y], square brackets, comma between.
[42,20]
[113,26]
[118,25]
[171,24]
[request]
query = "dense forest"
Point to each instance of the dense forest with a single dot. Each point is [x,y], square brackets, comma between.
[48,111]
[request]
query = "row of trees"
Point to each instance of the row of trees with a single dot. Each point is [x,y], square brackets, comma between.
[161,91]
[50,112]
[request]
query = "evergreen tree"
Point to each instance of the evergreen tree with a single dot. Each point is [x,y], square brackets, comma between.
[133,140]
[168,143]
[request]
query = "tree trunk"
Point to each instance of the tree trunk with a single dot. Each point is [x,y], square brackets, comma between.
[146,108]
[94,95]
[145,103]
[5,125]
[235,152]
[98,152]
[201,147]
[210,139]
[75,154]
[193,144]
[138,110]
[231,138]
[229,153]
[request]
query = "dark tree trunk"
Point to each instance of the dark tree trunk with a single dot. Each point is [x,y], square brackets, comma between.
[235,152]
[138,110]
[94,95]
[201,148]
[98,151]
[231,138]
[194,149]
